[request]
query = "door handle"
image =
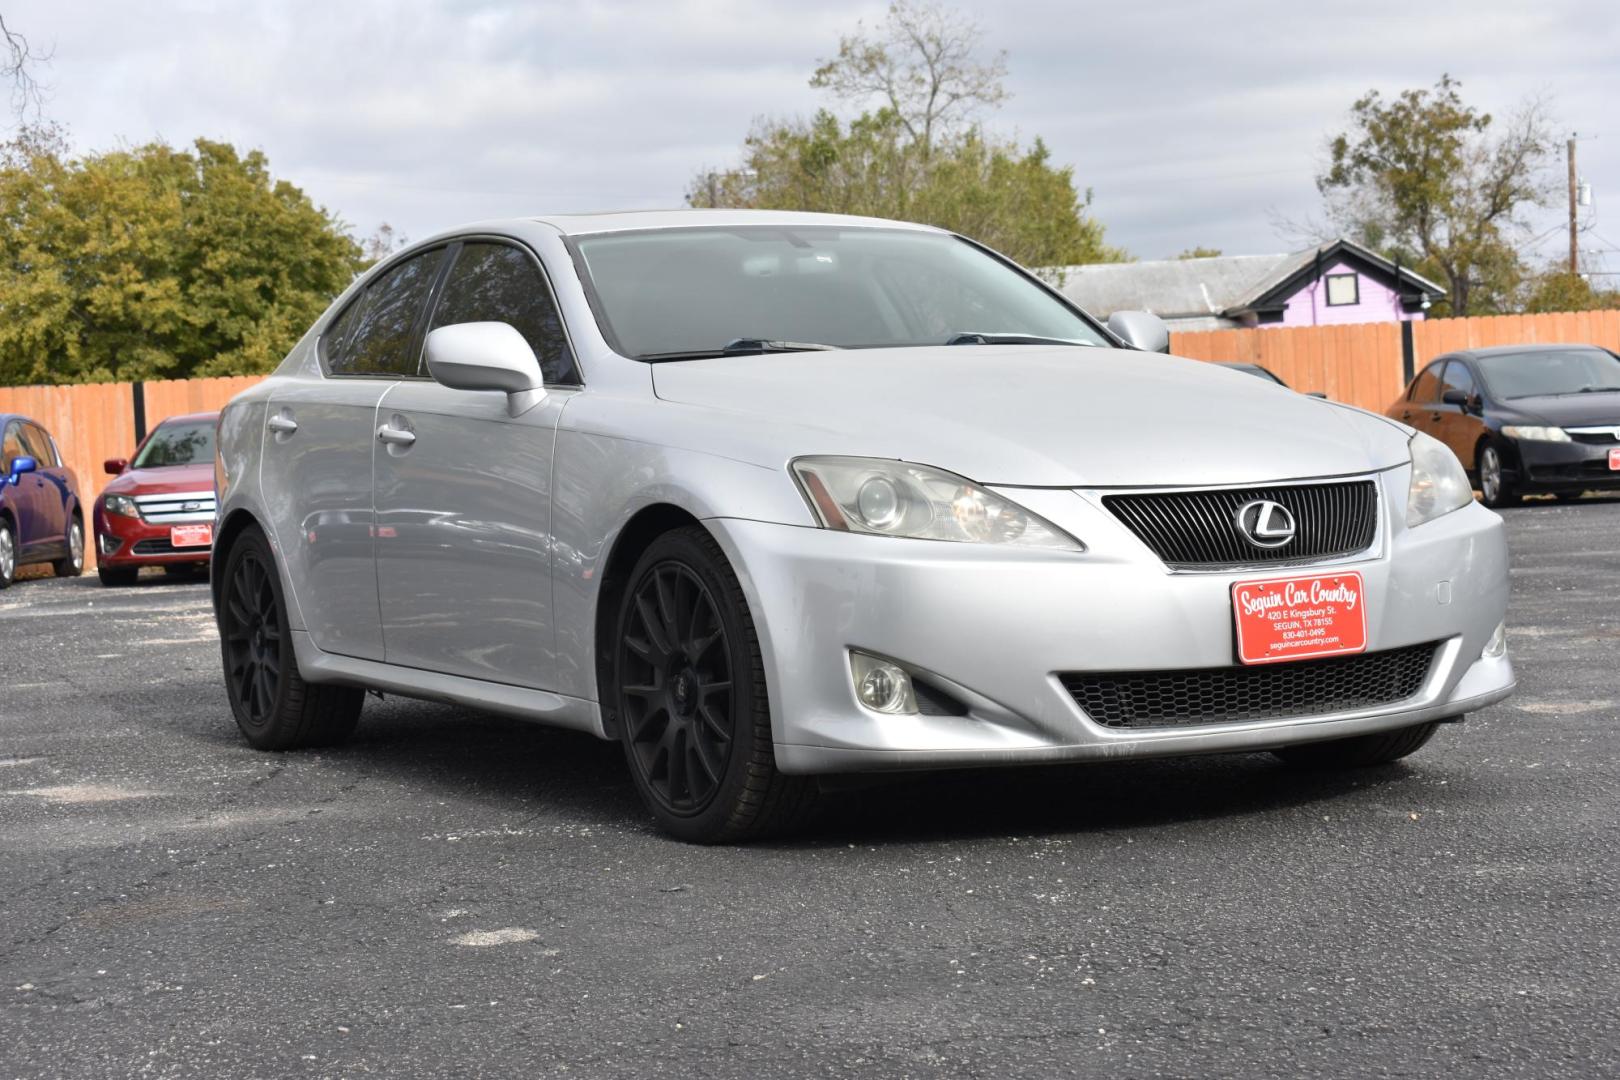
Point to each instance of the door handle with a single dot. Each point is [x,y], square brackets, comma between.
[396,436]
[282,425]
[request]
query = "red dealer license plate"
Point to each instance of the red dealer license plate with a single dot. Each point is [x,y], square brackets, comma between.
[1295,618]
[1614,459]
[187,536]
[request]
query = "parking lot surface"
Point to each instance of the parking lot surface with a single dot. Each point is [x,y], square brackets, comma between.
[459,895]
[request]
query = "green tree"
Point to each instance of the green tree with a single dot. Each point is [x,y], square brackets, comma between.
[155,263]
[1200,253]
[1560,290]
[1427,174]
[917,156]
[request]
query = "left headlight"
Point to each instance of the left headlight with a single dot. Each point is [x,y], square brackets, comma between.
[122,505]
[1536,434]
[1439,482]
[897,498]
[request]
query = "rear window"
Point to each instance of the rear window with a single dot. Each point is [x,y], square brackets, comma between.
[177,444]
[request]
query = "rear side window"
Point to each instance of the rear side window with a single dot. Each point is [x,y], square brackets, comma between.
[38,445]
[498,283]
[373,336]
[1427,385]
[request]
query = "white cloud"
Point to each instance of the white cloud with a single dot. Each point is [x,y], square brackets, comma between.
[1192,122]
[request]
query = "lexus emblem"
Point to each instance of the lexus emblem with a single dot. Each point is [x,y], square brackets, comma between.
[1265,524]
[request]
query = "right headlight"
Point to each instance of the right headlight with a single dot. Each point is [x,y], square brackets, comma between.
[896,498]
[1439,482]
[1536,434]
[122,505]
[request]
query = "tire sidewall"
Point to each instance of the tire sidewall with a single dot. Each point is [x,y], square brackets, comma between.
[748,689]
[16,558]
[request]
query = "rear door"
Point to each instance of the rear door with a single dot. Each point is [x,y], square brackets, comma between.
[464,510]
[317,473]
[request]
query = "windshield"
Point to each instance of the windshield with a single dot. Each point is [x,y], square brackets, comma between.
[177,444]
[679,293]
[1562,371]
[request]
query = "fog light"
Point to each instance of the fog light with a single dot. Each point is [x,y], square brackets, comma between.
[881,686]
[108,544]
[1497,645]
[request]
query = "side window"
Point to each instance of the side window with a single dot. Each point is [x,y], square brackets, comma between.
[373,337]
[1427,385]
[498,283]
[38,444]
[1457,377]
[10,447]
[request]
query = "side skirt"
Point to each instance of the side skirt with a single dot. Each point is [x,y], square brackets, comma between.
[541,706]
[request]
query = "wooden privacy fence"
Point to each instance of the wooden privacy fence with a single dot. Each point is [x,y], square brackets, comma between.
[1362,364]
[96,421]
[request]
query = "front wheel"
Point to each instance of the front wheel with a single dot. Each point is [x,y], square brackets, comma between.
[273,705]
[689,694]
[1359,751]
[1494,488]
[72,565]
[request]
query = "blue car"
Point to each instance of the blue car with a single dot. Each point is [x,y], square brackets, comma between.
[41,520]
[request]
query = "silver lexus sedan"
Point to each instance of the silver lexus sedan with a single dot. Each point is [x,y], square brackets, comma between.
[764,496]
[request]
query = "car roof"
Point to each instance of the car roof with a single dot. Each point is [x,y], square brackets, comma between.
[187,418]
[1526,347]
[627,220]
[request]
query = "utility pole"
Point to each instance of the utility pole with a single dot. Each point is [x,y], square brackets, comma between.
[1574,250]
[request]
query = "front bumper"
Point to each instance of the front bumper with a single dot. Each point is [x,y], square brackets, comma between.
[995,627]
[1565,466]
[125,541]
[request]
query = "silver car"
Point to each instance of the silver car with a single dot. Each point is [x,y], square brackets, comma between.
[764,496]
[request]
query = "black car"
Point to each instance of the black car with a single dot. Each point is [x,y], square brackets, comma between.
[1524,419]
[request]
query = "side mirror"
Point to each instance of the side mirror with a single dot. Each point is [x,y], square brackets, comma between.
[487,356]
[20,464]
[1458,398]
[115,466]
[1140,330]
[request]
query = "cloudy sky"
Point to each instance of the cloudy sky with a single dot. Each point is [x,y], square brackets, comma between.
[1195,123]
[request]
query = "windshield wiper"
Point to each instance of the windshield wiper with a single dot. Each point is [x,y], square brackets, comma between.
[973,337]
[743,346]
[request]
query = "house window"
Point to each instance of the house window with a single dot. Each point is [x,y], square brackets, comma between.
[1343,290]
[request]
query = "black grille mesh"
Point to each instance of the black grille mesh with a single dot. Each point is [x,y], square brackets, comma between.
[1198,529]
[1133,699]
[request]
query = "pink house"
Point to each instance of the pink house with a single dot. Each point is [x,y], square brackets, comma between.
[1341,282]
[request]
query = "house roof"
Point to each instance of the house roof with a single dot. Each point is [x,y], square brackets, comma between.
[1224,285]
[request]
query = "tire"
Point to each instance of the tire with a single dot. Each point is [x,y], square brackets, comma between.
[689,695]
[8,553]
[73,564]
[1495,490]
[1359,751]
[274,707]
[117,577]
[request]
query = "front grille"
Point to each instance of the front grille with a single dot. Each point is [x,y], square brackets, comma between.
[1229,695]
[1199,529]
[1595,436]
[186,507]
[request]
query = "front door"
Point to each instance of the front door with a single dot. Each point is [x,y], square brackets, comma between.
[23,498]
[464,491]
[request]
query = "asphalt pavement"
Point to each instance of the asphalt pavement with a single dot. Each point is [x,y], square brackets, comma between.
[459,895]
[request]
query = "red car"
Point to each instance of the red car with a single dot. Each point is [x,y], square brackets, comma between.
[160,510]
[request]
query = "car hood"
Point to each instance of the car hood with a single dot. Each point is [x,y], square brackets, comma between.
[1568,410]
[1033,416]
[173,478]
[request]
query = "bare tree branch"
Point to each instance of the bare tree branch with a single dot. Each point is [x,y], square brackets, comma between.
[18,58]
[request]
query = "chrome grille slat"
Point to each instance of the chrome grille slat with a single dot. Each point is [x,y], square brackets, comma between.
[1197,529]
[169,508]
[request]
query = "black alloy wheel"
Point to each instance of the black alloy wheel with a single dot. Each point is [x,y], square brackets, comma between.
[676,696]
[250,629]
[273,705]
[689,699]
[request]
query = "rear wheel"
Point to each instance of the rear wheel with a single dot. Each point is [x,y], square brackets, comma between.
[1359,751]
[8,553]
[689,693]
[1494,488]
[117,576]
[72,565]
[273,705]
